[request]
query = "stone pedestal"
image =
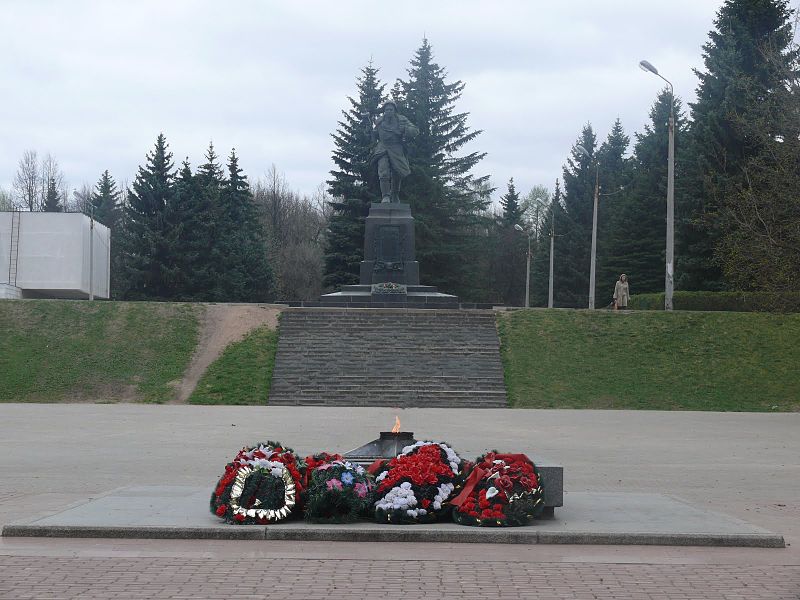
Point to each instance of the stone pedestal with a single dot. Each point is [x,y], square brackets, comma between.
[389,275]
[389,246]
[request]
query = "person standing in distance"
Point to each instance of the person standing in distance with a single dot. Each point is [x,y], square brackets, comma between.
[621,293]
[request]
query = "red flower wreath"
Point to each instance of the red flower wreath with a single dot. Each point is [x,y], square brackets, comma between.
[502,490]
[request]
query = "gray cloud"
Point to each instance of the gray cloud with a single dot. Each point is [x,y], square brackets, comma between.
[93,83]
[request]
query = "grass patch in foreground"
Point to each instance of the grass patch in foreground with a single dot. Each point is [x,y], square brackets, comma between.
[651,360]
[242,375]
[67,350]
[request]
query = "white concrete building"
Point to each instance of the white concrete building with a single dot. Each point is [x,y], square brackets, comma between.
[53,255]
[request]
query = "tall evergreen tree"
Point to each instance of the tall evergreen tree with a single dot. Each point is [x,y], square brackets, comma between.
[736,64]
[615,174]
[639,237]
[104,206]
[148,241]
[508,272]
[104,201]
[208,224]
[512,210]
[446,199]
[760,247]
[578,200]
[244,273]
[52,198]
[190,219]
[352,183]
[554,220]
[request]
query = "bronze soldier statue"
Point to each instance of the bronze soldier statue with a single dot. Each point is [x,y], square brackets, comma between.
[389,134]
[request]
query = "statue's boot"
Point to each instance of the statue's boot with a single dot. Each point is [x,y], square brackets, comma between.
[396,189]
[386,189]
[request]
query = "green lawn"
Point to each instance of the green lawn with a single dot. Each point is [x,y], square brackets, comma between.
[62,350]
[651,360]
[242,375]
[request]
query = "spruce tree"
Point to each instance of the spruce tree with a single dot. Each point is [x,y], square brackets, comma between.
[148,240]
[615,173]
[104,206]
[52,199]
[512,211]
[353,184]
[190,219]
[446,199]
[508,271]
[573,257]
[749,50]
[553,220]
[244,273]
[208,223]
[104,201]
[639,237]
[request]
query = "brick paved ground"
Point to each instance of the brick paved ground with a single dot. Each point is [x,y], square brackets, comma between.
[26,577]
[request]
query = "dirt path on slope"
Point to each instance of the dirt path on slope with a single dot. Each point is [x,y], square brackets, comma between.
[221,325]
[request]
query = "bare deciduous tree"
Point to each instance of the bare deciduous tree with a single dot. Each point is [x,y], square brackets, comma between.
[295,227]
[6,202]
[49,171]
[81,198]
[28,181]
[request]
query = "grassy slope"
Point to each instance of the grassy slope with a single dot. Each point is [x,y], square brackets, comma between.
[242,375]
[61,350]
[653,360]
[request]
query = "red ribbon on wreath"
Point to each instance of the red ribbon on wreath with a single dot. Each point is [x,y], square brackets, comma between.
[469,485]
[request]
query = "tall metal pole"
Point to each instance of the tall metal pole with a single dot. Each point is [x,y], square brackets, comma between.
[594,236]
[670,268]
[552,237]
[669,274]
[528,275]
[91,256]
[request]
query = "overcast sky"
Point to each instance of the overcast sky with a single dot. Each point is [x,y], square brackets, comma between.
[93,83]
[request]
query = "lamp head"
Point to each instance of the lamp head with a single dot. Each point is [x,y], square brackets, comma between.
[518,227]
[646,66]
[583,151]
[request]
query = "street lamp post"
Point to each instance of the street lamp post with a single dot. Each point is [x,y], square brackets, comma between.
[550,281]
[585,152]
[670,268]
[519,227]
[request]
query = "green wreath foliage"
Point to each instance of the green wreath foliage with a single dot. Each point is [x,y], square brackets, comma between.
[338,492]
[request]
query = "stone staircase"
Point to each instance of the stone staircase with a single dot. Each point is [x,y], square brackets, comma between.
[386,357]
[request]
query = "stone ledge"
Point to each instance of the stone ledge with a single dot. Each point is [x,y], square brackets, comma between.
[181,512]
[399,533]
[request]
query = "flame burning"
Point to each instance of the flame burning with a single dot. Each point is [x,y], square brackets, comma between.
[396,428]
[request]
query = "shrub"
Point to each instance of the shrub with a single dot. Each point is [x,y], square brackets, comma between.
[721,301]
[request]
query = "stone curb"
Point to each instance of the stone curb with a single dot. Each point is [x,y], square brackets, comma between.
[401,534]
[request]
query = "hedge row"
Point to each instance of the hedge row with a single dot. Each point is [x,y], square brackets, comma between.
[724,301]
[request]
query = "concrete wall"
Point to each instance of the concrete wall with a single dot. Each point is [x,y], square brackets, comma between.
[54,255]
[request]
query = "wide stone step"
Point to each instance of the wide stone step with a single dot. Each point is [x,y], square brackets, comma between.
[388,357]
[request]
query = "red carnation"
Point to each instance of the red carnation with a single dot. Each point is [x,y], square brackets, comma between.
[238,517]
[221,510]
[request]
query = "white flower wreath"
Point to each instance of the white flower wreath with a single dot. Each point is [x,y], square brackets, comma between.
[273,469]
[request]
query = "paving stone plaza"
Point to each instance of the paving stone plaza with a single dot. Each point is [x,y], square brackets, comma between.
[743,467]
